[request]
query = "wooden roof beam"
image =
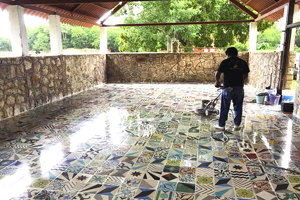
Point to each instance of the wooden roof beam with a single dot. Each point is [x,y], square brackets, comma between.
[62,15]
[55,2]
[8,2]
[249,1]
[182,23]
[243,8]
[269,13]
[75,8]
[99,6]
[273,6]
[116,9]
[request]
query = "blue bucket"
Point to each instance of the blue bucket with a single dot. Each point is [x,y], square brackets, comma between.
[260,97]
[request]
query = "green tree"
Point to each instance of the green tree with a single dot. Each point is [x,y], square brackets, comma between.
[39,38]
[297,42]
[113,39]
[269,39]
[155,37]
[5,44]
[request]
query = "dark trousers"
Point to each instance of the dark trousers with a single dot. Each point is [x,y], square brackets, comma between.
[237,96]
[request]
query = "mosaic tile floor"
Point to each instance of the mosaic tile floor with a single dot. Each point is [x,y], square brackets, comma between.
[143,142]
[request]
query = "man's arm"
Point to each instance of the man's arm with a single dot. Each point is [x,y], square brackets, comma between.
[218,75]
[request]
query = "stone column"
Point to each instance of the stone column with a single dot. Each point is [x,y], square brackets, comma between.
[252,36]
[293,38]
[55,35]
[103,40]
[18,32]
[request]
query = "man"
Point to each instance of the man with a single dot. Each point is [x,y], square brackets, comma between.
[235,72]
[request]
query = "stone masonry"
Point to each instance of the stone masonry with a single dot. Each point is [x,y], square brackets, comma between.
[29,82]
[164,67]
[265,70]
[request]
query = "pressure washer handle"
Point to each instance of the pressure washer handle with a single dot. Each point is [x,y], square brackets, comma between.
[221,88]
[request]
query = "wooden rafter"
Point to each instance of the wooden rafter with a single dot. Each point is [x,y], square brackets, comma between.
[114,11]
[273,6]
[75,8]
[54,2]
[100,6]
[62,15]
[60,10]
[243,8]
[249,1]
[269,13]
[182,23]
[8,2]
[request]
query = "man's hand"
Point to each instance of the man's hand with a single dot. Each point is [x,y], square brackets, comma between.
[218,75]
[218,84]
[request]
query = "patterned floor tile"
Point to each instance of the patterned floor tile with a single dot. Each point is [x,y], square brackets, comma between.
[286,196]
[265,195]
[205,180]
[184,196]
[50,194]
[242,183]
[245,193]
[136,174]
[126,192]
[164,195]
[80,196]
[203,197]
[224,191]
[170,177]
[205,189]
[185,187]
[171,169]
[151,184]
[204,164]
[91,188]
[120,172]
[144,193]
[40,183]
[114,180]
[262,185]
[82,178]
[167,186]
[178,142]
[108,190]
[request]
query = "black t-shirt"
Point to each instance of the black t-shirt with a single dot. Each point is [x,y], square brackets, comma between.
[234,69]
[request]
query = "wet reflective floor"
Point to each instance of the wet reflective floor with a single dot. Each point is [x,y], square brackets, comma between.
[144,142]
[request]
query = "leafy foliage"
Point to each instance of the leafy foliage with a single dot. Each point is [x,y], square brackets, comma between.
[155,37]
[269,39]
[72,37]
[5,44]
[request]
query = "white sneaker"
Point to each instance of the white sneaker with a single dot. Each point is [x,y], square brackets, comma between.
[236,128]
[220,128]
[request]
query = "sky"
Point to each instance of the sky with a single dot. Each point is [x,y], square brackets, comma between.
[32,21]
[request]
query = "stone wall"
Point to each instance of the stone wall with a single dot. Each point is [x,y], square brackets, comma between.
[265,70]
[29,82]
[164,67]
[297,98]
